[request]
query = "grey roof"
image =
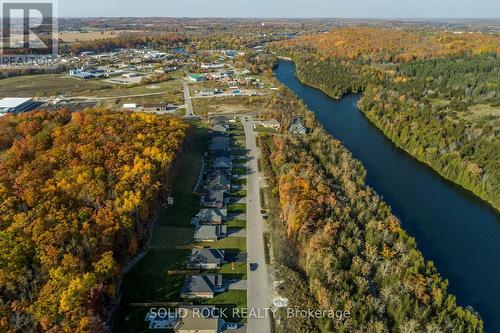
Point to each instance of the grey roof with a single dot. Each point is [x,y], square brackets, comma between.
[219,143]
[219,182]
[209,231]
[202,283]
[298,128]
[210,214]
[219,120]
[220,128]
[197,323]
[206,256]
[214,198]
[223,163]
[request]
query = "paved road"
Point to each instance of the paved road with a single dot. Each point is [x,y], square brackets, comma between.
[187,99]
[258,280]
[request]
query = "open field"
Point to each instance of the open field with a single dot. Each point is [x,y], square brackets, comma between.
[49,85]
[59,84]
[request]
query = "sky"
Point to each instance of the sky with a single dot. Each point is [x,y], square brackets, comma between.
[282,8]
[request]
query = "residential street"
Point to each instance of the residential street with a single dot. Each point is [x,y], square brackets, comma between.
[258,283]
[187,99]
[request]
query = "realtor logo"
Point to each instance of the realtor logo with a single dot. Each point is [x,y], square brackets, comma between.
[28,31]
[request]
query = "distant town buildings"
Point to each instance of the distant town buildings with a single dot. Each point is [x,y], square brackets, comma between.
[212,66]
[197,77]
[153,107]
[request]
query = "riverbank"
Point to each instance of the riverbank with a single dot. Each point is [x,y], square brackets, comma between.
[438,165]
[453,228]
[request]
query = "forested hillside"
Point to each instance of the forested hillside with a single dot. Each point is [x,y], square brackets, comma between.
[77,192]
[435,95]
[336,244]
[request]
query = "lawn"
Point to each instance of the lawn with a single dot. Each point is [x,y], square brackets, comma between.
[237,208]
[239,171]
[236,223]
[238,297]
[234,270]
[228,243]
[239,181]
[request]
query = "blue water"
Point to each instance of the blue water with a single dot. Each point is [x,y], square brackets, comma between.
[453,228]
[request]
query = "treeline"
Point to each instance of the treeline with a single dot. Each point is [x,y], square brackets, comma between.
[160,41]
[13,72]
[390,45]
[336,244]
[442,110]
[77,193]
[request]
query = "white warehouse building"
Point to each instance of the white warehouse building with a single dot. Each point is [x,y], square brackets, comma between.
[15,105]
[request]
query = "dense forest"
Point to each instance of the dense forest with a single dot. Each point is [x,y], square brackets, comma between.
[336,245]
[440,101]
[78,192]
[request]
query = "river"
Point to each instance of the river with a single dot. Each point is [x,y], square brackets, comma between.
[452,227]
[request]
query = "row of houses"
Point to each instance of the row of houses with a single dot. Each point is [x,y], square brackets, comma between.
[209,224]
[209,221]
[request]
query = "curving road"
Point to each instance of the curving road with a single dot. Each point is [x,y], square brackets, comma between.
[258,280]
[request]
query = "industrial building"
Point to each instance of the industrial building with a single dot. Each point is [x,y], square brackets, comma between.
[15,105]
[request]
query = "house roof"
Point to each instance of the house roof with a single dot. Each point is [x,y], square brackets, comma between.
[215,195]
[197,76]
[195,323]
[219,143]
[298,128]
[220,181]
[219,120]
[211,213]
[209,231]
[223,163]
[201,283]
[220,127]
[206,256]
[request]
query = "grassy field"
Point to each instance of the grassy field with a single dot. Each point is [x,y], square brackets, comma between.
[59,84]
[237,208]
[49,85]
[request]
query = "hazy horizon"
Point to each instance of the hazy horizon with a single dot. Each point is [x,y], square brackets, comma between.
[276,9]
